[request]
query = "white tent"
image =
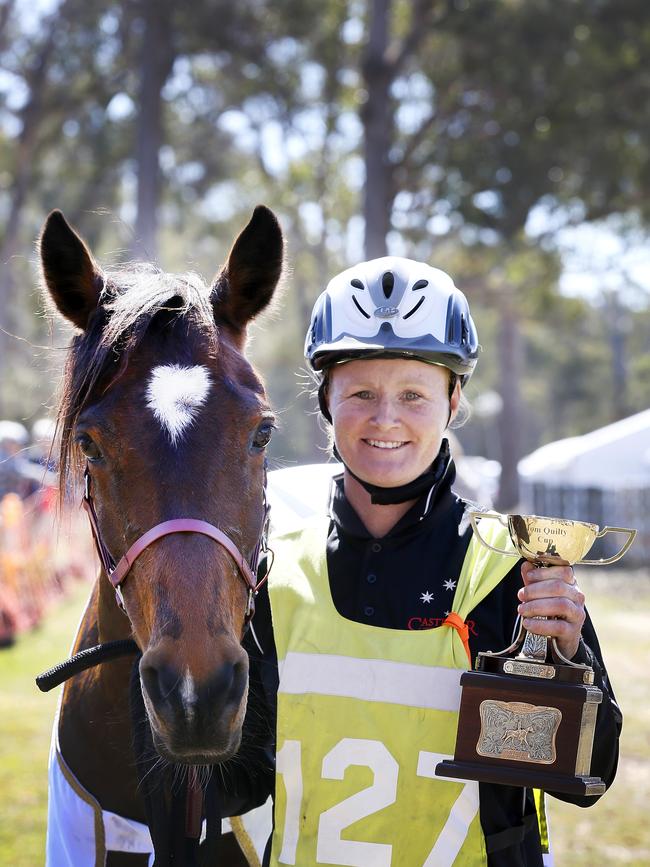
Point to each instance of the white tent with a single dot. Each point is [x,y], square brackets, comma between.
[603,477]
[613,457]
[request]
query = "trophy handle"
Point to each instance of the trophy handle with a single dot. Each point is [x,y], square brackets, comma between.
[605,560]
[475,517]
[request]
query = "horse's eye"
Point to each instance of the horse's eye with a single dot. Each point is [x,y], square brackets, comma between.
[262,435]
[89,447]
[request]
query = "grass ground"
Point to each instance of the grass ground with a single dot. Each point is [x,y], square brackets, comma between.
[615,831]
[25,726]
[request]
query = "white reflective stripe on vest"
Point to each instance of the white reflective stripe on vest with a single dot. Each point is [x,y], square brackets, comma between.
[379,680]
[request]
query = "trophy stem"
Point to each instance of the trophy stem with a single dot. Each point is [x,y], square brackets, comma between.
[535,647]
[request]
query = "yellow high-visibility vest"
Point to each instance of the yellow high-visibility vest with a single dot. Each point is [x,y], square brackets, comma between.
[364,715]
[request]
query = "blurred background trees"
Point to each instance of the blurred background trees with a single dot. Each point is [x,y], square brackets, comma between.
[503,140]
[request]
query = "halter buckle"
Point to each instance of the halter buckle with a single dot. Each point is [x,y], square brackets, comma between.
[250,605]
[119,598]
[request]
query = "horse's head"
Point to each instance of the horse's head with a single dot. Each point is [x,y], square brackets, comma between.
[171,421]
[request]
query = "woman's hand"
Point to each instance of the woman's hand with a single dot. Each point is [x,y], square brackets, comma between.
[552,591]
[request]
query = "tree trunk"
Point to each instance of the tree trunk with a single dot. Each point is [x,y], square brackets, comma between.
[157,58]
[510,420]
[377,119]
[6,11]
[617,326]
[24,158]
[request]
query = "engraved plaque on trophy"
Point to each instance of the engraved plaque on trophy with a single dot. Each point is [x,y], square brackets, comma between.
[527,715]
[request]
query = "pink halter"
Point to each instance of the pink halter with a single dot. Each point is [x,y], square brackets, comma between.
[117,572]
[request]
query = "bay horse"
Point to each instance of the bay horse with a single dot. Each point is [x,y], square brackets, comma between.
[170,422]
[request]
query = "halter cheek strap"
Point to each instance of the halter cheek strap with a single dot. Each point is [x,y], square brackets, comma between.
[117,572]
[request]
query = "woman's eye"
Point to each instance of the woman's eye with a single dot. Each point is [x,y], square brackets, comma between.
[364,395]
[89,447]
[262,436]
[411,395]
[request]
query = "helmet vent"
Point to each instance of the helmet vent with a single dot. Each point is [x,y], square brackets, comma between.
[411,312]
[360,308]
[357,283]
[387,283]
[421,284]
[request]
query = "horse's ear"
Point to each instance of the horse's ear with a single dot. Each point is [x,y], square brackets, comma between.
[247,282]
[72,278]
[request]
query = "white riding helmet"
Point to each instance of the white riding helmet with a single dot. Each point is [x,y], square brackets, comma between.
[393,307]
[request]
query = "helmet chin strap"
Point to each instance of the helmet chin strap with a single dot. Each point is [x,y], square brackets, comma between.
[381,496]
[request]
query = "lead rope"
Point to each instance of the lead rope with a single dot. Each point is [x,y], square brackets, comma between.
[85,659]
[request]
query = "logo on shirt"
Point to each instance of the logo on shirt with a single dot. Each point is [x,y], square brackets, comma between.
[415,623]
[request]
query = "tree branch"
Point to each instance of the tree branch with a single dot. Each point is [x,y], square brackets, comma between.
[422,20]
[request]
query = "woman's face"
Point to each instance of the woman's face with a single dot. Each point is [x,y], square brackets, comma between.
[389,416]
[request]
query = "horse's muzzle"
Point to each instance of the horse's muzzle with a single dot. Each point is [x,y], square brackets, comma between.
[195,720]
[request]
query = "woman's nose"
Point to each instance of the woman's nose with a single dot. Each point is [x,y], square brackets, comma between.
[385,414]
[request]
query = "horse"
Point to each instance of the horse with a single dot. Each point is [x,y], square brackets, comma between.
[168,423]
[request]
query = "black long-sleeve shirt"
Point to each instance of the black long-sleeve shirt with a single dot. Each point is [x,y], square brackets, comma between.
[407,580]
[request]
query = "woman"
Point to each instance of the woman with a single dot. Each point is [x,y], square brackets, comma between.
[370,609]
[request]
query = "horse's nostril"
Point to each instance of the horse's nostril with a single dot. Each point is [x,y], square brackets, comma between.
[160,681]
[239,681]
[178,696]
[227,685]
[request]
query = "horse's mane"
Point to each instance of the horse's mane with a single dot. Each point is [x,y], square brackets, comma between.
[132,296]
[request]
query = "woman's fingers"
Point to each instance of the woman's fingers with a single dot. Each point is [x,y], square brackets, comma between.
[552,592]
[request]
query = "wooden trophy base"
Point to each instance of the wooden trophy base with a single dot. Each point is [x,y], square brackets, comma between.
[515,777]
[528,724]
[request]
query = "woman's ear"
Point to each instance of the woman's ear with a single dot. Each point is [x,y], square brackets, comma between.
[323,398]
[454,402]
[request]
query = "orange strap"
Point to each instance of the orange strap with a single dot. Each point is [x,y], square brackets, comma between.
[457,623]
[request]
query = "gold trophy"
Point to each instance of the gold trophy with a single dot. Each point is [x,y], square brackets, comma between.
[527,714]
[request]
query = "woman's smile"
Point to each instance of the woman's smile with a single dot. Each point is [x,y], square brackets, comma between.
[384,444]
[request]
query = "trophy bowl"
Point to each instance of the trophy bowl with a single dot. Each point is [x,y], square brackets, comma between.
[551,541]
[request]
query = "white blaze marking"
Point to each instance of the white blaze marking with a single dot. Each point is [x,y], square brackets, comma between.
[175,394]
[188,694]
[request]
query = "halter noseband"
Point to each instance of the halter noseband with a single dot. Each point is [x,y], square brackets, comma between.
[117,572]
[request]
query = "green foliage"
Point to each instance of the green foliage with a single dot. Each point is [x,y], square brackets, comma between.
[504,115]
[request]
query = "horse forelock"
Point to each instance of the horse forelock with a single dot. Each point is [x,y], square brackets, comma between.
[132,297]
